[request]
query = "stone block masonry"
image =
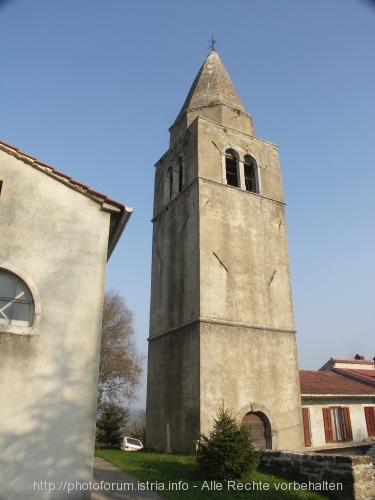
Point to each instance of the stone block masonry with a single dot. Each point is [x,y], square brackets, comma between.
[318,471]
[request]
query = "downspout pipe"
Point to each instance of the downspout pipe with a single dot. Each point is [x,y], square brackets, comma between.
[125,216]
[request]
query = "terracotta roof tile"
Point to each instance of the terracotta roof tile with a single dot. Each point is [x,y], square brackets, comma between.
[367,376]
[92,191]
[46,165]
[9,145]
[317,382]
[67,178]
[61,174]
[119,218]
[114,202]
[84,186]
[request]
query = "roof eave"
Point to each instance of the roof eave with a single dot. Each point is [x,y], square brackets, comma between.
[336,395]
[119,229]
[105,203]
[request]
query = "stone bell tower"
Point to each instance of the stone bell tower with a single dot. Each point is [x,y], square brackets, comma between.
[221,327]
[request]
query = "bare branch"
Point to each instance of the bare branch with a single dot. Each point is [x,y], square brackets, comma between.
[120,366]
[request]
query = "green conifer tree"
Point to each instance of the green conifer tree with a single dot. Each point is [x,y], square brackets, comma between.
[111,418]
[228,451]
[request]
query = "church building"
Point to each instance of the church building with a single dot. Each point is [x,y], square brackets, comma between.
[221,326]
[56,235]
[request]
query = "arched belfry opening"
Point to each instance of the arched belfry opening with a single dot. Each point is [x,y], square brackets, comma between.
[251,181]
[168,191]
[170,178]
[260,429]
[231,168]
[180,169]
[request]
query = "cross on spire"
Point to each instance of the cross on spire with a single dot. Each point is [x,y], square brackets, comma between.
[212,43]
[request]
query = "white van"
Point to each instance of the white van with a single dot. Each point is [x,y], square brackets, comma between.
[131,444]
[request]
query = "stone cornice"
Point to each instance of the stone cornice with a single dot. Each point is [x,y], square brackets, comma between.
[246,193]
[216,321]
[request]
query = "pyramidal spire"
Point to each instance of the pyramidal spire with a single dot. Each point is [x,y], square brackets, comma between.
[212,96]
[212,85]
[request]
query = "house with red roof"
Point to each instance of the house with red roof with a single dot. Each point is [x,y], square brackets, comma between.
[338,404]
[56,235]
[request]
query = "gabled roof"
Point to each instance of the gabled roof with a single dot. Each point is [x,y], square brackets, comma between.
[315,383]
[332,362]
[120,213]
[364,376]
[353,361]
[212,85]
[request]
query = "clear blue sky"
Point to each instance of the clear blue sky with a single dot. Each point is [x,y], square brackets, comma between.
[91,87]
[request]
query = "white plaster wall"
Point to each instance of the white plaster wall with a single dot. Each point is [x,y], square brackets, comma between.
[357,418]
[57,238]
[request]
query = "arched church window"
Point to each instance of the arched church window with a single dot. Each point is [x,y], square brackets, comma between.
[180,168]
[231,169]
[250,174]
[16,301]
[169,184]
[170,176]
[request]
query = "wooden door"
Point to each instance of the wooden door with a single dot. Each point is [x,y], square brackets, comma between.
[257,429]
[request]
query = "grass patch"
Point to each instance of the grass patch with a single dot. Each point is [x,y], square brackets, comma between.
[167,469]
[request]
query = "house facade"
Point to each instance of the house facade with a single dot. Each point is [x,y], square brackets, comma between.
[338,403]
[56,235]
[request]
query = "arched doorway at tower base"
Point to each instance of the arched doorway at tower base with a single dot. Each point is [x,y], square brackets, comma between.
[260,429]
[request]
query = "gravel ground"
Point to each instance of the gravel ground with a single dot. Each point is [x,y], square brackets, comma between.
[108,473]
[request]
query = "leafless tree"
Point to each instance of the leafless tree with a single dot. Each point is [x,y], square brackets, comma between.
[120,366]
[136,429]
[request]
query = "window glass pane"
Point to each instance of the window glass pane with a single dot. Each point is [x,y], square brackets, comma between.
[134,441]
[340,434]
[22,312]
[333,421]
[6,308]
[22,291]
[7,285]
[16,301]
[336,424]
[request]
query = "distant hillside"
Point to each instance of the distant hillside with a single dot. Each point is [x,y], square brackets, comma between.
[135,414]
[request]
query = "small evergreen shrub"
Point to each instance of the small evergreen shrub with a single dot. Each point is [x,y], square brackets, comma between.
[111,418]
[228,451]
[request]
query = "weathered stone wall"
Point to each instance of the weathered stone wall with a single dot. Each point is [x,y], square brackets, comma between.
[248,234]
[220,264]
[355,473]
[186,146]
[173,391]
[220,259]
[175,263]
[214,139]
[230,372]
[247,335]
